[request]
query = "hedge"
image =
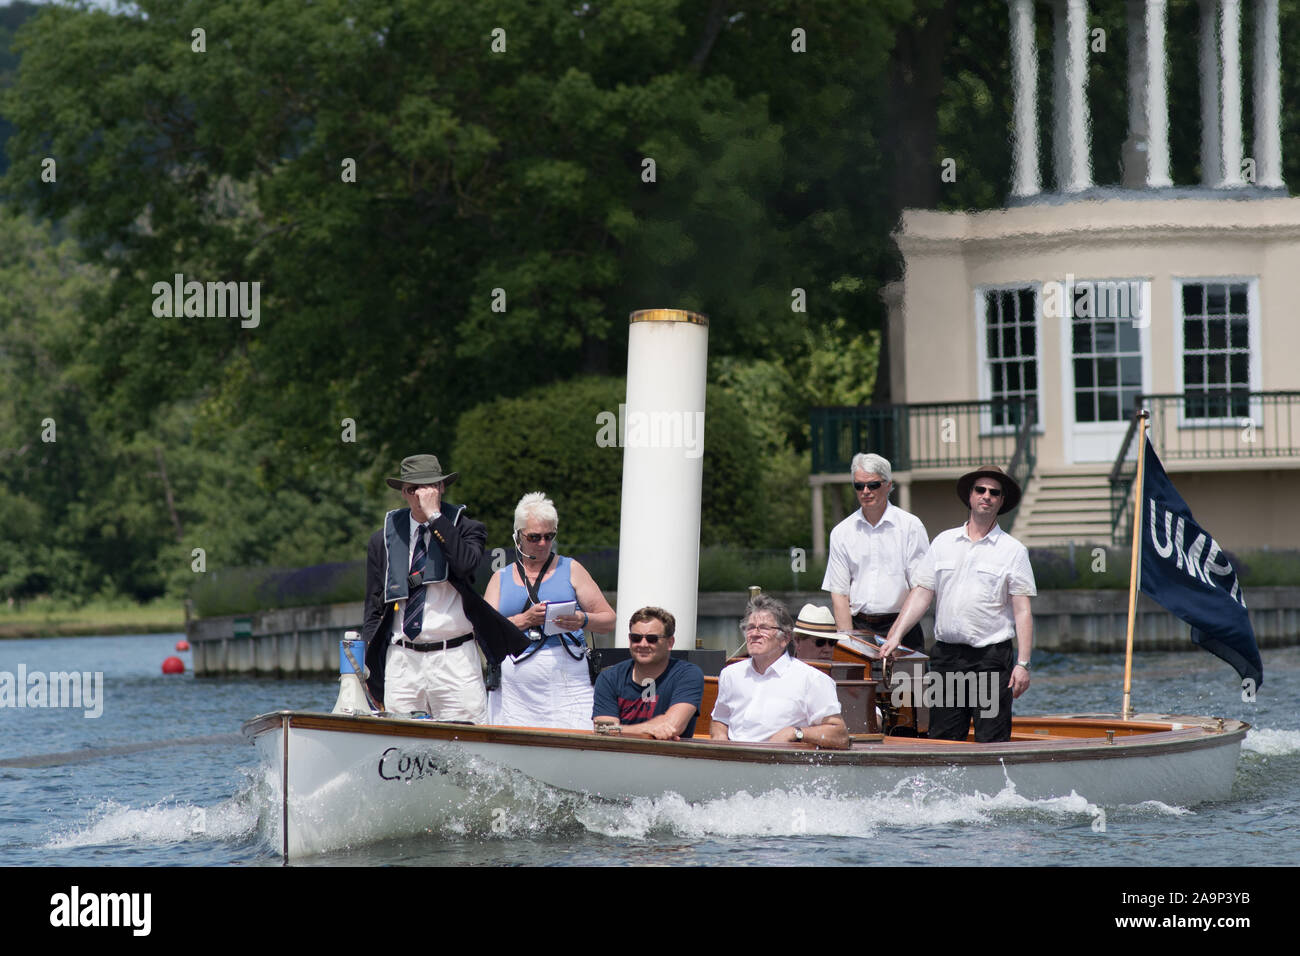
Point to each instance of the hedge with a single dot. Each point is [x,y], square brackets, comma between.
[545,440]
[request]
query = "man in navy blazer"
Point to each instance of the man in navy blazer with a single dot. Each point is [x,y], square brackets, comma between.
[422,613]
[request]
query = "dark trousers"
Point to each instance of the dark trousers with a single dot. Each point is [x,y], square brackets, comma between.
[881,623]
[961,696]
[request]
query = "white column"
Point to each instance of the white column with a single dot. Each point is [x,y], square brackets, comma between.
[1230,106]
[1268,99]
[1077,145]
[663,467]
[1157,99]
[1024,59]
[1211,172]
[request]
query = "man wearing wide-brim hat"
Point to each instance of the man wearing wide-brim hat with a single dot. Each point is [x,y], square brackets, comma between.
[423,617]
[983,628]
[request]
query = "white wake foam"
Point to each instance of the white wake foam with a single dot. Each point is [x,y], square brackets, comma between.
[1272,743]
[161,824]
[917,802]
[169,822]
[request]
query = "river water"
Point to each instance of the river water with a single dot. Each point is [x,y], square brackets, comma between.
[162,777]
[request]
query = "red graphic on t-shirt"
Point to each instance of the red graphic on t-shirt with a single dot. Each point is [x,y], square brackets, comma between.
[637,710]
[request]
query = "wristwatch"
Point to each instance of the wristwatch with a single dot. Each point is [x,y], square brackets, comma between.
[1024,664]
[798,735]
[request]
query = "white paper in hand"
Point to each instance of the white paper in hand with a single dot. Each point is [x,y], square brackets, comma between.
[554,610]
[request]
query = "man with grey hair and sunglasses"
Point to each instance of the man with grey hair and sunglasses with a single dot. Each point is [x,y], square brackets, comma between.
[774,696]
[873,556]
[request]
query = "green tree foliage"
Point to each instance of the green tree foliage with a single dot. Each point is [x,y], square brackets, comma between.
[518,170]
[87,511]
[829,366]
[226,504]
[47,460]
[12,16]
[546,440]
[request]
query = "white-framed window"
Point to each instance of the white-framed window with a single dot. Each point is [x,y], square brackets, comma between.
[1219,348]
[1008,333]
[1106,352]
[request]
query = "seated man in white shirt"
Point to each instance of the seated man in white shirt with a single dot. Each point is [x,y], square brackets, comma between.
[773,696]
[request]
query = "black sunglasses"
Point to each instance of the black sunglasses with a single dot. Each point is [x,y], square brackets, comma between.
[991,492]
[648,638]
[873,485]
[534,538]
[822,641]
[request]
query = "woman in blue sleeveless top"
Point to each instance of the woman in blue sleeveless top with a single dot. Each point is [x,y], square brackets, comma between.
[549,685]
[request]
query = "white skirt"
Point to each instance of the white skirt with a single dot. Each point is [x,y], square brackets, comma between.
[549,689]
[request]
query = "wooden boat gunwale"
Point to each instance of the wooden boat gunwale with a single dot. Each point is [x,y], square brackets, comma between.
[1152,735]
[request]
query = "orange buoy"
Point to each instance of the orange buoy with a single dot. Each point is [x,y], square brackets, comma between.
[182,645]
[173,665]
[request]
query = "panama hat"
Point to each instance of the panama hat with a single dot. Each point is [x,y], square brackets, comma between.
[815,621]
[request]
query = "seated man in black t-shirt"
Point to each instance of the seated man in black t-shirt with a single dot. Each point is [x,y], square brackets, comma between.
[658,693]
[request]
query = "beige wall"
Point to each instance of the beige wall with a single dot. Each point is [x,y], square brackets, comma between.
[950,255]
[1245,510]
[936,504]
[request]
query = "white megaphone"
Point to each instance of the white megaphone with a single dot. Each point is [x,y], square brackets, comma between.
[354,698]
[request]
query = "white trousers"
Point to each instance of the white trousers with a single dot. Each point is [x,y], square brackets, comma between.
[448,684]
[549,689]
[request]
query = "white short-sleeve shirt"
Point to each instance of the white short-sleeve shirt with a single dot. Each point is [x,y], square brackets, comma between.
[875,565]
[973,583]
[789,693]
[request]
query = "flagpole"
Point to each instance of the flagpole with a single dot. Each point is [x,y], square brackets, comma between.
[1127,710]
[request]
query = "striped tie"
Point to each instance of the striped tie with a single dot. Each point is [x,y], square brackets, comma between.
[413,619]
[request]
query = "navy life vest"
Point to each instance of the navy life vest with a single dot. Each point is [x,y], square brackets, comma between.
[397,552]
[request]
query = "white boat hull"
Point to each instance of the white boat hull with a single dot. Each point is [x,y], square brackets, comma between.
[355,780]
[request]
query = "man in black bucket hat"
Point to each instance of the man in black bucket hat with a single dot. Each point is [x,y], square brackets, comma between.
[422,614]
[983,628]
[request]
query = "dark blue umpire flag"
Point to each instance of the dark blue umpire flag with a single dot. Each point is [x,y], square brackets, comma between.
[1186,572]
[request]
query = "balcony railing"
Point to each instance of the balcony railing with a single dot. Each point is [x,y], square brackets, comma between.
[934,435]
[1213,425]
[1224,424]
